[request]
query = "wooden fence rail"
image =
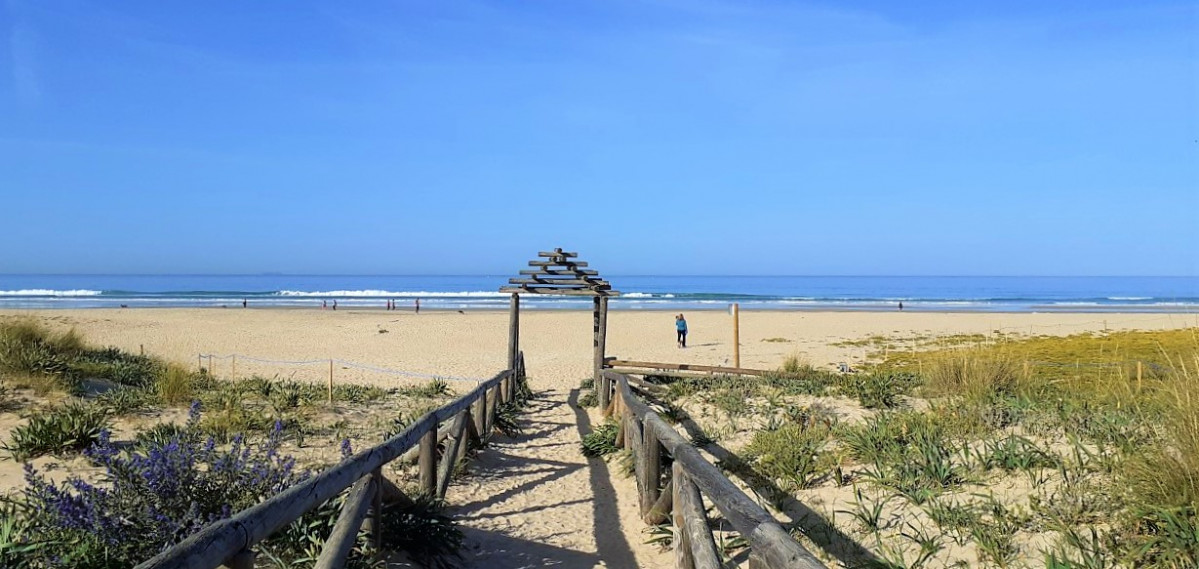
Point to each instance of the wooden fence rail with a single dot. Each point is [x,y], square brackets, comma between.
[229,542]
[689,478]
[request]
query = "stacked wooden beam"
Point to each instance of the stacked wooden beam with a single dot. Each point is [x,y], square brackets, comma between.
[559,272]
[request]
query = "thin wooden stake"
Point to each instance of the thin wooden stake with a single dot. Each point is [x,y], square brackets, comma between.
[736,335]
[233,367]
[141,349]
[1138,375]
[330,380]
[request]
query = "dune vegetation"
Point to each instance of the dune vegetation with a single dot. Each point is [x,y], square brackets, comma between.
[161,450]
[995,451]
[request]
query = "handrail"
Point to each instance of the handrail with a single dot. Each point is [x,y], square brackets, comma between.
[646,434]
[228,541]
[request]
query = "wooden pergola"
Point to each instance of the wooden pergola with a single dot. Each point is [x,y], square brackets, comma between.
[559,272]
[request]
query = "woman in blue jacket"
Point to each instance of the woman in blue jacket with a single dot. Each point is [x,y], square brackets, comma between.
[680,326]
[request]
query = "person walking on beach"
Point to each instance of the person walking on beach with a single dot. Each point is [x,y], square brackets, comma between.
[901,305]
[680,326]
[335,304]
[418,306]
[243,303]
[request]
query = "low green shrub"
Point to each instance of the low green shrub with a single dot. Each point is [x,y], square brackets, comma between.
[72,427]
[434,388]
[879,390]
[601,441]
[790,453]
[424,531]
[126,400]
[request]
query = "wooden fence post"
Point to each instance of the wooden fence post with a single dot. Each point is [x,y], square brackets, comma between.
[243,559]
[330,380]
[653,467]
[600,316]
[736,335]
[1138,375]
[480,417]
[428,461]
[683,559]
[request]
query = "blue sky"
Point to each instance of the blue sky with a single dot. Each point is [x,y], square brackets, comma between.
[693,137]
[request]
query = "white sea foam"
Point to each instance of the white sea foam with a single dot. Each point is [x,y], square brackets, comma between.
[1130,298]
[48,292]
[374,293]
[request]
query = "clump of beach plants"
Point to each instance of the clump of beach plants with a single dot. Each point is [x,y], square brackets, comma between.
[601,441]
[67,428]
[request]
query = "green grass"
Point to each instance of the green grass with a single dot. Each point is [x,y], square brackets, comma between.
[601,441]
[792,453]
[59,430]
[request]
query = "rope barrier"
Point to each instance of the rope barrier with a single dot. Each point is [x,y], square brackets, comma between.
[349,364]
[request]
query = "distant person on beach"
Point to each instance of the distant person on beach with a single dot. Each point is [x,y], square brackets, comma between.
[243,303]
[418,306]
[680,326]
[901,305]
[324,304]
[335,304]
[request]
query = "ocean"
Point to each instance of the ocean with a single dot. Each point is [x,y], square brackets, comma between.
[479,292]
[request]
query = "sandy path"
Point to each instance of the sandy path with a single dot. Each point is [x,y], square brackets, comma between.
[536,501]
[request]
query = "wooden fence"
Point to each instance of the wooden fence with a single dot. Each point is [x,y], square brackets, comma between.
[676,493]
[230,541]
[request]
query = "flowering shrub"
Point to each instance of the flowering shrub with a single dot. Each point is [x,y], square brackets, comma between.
[155,496]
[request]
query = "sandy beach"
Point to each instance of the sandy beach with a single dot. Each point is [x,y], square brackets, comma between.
[557,344]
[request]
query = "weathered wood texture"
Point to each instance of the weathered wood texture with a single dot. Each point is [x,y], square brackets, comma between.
[697,536]
[559,272]
[450,457]
[769,542]
[554,281]
[685,367]
[564,291]
[557,253]
[221,541]
[345,531]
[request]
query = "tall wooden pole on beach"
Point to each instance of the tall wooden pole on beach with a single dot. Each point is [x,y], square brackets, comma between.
[513,330]
[736,335]
[600,320]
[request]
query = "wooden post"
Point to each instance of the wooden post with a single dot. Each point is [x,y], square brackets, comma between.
[233,367]
[599,317]
[1138,375]
[377,509]
[141,349]
[480,417]
[243,559]
[736,335]
[683,559]
[653,467]
[450,456]
[428,462]
[513,330]
[330,381]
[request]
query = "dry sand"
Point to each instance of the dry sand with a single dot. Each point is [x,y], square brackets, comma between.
[535,501]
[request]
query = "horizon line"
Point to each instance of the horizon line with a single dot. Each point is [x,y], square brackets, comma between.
[305,274]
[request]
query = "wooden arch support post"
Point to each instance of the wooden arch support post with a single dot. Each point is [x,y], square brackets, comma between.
[513,330]
[600,317]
